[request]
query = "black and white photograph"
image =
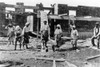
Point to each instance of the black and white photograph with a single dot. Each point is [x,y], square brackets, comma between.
[49,33]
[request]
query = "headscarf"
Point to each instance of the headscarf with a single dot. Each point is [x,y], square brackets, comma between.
[58,31]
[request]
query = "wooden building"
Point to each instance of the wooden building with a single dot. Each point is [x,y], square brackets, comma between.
[19,16]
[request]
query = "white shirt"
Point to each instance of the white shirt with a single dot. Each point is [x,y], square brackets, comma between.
[96,31]
[74,34]
[10,29]
[57,31]
[25,29]
[44,27]
[18,29]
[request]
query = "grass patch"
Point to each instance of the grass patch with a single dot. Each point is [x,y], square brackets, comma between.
[82,35]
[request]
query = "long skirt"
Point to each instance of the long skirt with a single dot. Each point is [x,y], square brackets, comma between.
[11,36]
[59,40]
[26,37]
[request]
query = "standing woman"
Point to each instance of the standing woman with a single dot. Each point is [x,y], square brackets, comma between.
[58,35]
[10,34]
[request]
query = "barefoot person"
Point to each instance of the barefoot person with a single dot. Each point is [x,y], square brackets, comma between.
[18,32]
[26,33]
[58,35]
[96,34]
[10,34]
[45,32]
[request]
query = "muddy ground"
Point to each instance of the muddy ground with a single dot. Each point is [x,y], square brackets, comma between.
[26,57]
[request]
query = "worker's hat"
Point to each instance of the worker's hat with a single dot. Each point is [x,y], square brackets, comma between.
[58,25]
[9,24]
[74,26]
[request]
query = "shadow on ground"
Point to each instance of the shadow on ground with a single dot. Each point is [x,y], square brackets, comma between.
[71,49]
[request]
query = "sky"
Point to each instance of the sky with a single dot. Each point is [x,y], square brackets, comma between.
[95,3]
[47,3]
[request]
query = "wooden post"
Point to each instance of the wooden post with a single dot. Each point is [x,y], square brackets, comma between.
[37,23]
[54,63]
[52,59]
[2,17]
[69,26]
[37,27]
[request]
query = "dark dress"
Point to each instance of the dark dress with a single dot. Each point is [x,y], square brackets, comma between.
[45,36]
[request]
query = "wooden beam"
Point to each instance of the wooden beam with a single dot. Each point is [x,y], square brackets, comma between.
[58,17]
[31,7]
[93,57]
[52,59]
[63,14]
[48,8]
[88,19]
[43,58]
[26,7]
[9,5]
[72,8]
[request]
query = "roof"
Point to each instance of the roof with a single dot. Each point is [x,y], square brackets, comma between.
[74,18]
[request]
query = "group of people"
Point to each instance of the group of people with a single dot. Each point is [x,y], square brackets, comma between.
[58,33]
[95,40]
[14,30]
[17,34]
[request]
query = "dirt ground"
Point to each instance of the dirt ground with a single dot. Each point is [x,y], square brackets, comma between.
[27,57]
